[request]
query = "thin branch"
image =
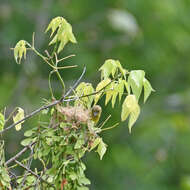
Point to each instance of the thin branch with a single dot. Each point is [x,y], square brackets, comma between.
[108,128]
[19,153]
[56,102]
[33,173]
[46,59]
[31,114]
[46,106]
[49,82]
[76,83]
[28,166]
[33,39]
[105,121]
[65,58]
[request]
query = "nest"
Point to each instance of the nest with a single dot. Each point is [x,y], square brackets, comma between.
[75,113]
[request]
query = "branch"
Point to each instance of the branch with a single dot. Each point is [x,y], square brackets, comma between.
[76,83]
[33,173]
[30,115]
[19,154]
[56,102]
[45,106]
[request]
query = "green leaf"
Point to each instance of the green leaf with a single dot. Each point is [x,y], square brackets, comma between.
[5,175]
[27,141]
[54,24]
[122,70]
[95,143]
[29,133]
[130,108]
[79,143]
[99,89]
[118,90]
[109,67]
[147,89]
[31,179]
[84,181]
[109,92]
[82,188]
[2,121]
[127,87]
[84,89]
[19,116]
[19,51]
[63,32]
[101,149]
[73,176]
[135,81]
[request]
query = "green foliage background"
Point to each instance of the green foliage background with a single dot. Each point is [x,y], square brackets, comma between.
[156,155]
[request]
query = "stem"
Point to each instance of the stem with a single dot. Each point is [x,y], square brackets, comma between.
[65,58]
[108,128]
[11,114]
[61,80]
[33,173]
[19,154]
[49,81]
[105,121]
[46,59]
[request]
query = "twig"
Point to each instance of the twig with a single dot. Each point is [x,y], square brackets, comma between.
[110,127]
[76,83]
[105,122]
[28,166]
[31,114]
[33,173]
[19,154]
[56,102]
[65,58]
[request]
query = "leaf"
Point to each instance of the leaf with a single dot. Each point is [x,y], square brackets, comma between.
[130,108]
[118,90]
[27,141]
[63,32]
[82,90]
[19,51]
[95,143]
[82,188]
[29,133]
[84,181]
[101,149]
[135,81]
[79,143]
[127,87]
[109,92]
[147,89]
[19,116]
[109,67]
[99,89]
[2,121]
[54,24]
[5,175]
[73,176]
[122,70]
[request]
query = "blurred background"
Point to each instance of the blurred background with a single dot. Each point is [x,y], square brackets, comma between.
[149,35]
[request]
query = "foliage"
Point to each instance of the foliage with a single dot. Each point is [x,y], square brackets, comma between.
[68,126]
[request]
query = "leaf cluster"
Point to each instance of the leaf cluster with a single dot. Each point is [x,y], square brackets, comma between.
[71,127]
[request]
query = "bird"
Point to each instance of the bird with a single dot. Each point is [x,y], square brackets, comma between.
[96,113]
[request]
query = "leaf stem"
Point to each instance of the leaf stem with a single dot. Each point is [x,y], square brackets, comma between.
[108,128]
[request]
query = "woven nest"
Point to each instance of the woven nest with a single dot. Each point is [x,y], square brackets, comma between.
[75,113]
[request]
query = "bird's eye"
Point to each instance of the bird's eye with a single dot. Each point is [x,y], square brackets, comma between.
[95,113]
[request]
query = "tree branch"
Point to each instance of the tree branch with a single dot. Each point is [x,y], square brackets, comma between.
[33,173]
[19,153]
